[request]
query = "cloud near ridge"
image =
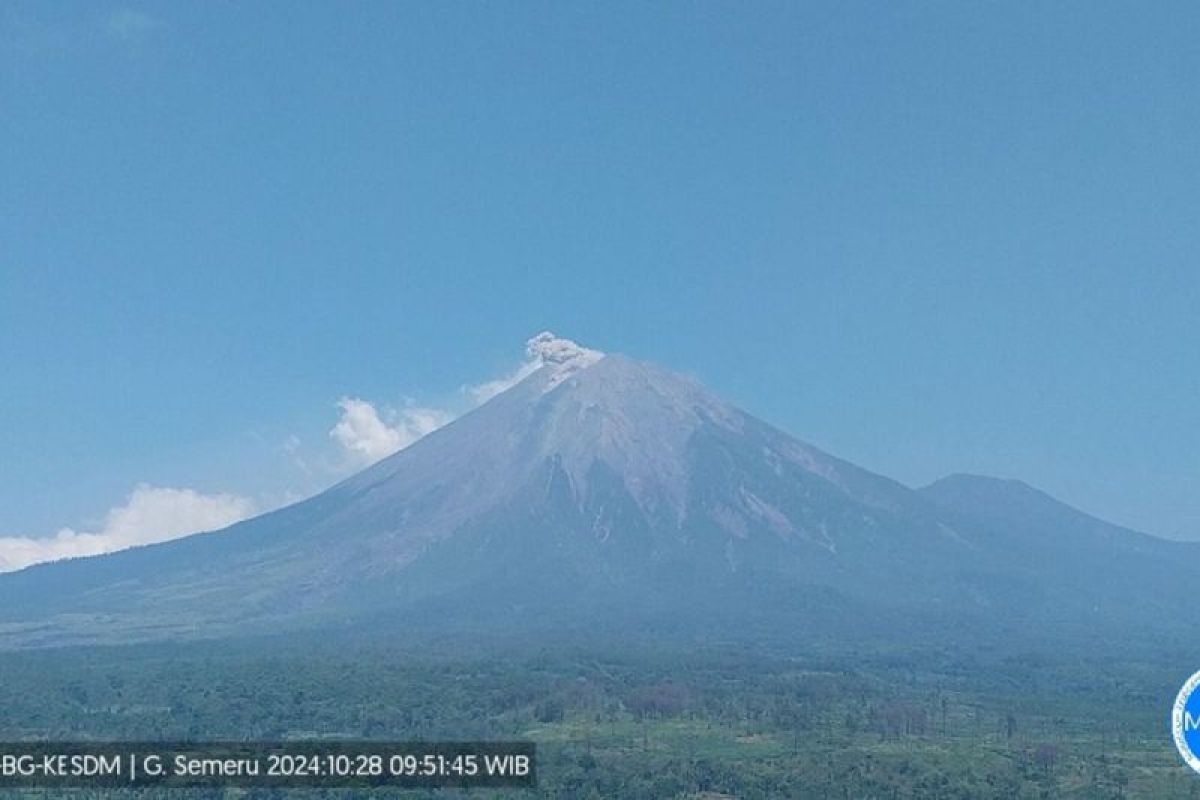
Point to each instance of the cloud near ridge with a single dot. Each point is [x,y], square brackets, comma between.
[480,393]
[366,435]
[129,24]
[151,514]
[542,350]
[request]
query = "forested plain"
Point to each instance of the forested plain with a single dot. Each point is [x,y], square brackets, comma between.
[640,720]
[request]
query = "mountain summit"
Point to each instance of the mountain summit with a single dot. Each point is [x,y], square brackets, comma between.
[598,488]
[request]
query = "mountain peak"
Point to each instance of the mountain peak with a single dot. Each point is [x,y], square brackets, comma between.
[559,358]
[551,349]
[968,481]
[1015,502]
[599,481]
[963,488]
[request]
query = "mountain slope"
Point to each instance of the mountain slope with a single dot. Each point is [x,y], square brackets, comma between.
[1077,566]
[597,490]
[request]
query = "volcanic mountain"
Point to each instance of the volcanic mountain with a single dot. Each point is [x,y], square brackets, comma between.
[601,490]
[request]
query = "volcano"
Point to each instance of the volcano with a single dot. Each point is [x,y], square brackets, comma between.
[601,490]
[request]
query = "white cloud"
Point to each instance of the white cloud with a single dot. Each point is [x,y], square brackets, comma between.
[151,514]
[366,437]
[158,514]
[546,348]
[541,350]
[480,393]
[129,25]
[292,447]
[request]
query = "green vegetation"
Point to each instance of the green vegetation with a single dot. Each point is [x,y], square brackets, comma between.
[644,722]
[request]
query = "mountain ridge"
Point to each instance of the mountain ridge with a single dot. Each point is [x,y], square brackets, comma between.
[601,485]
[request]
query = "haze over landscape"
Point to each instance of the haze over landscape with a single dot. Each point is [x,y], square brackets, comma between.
[600,490]
[853,449]
[928,239]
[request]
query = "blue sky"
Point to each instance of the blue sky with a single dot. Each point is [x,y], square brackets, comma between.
[928,237]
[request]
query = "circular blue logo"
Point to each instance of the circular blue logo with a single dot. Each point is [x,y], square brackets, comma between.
[1185,722]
